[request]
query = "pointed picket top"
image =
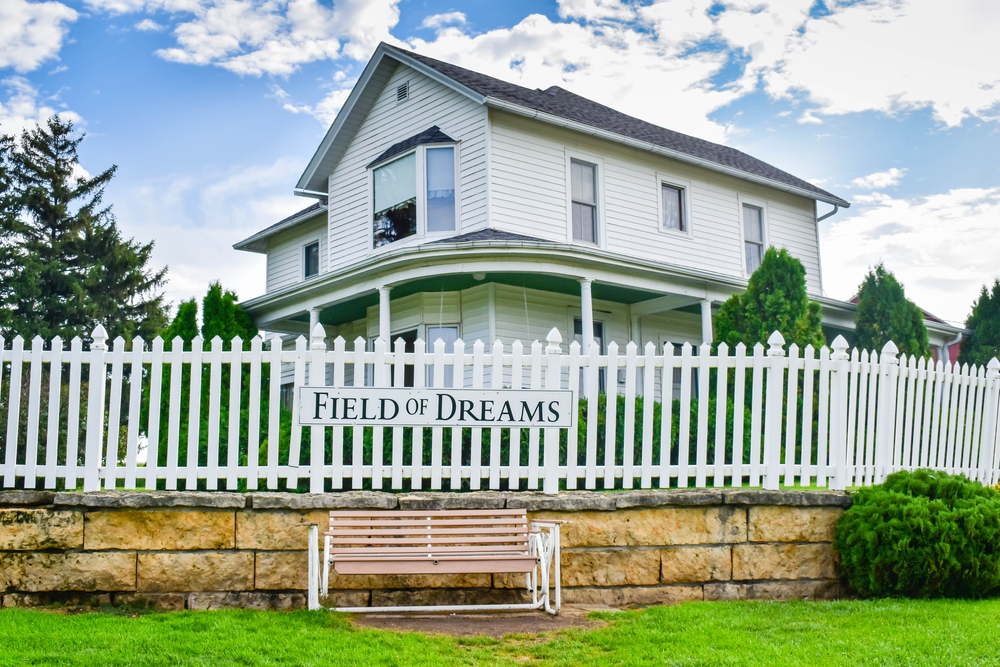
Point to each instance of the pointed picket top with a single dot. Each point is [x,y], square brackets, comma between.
[650,348]
[359,343]
[19,341]
[631,348]
[479,347]
[100,337]
[216,340]
[380,345]
[176,344]
[776,345]
[810,351]
[741,349]
[554,340]
[889,353]
[793,350]
[497,345]
[724,349]
[37,342]
[119,343]
[839,348]
[57,343]
[993,368]
[517,347]
[758,349]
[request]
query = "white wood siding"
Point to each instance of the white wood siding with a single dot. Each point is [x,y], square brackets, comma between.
[430,103]
[285,253]
[529,195]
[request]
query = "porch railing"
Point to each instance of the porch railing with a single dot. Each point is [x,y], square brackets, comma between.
[648,417]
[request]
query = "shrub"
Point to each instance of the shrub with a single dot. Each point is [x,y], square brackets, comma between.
[922,534]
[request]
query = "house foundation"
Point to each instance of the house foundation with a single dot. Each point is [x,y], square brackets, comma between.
[194,550]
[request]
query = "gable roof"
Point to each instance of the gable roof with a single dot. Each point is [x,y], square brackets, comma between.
[554,105]
[258,241]
[432,135]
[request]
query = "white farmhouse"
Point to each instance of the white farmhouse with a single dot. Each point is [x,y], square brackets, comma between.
[454,205]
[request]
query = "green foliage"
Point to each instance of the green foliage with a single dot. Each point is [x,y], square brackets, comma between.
[885,314]
[922,534]
[64,266]
[775,300]
[225,318]
[983,343]
[185,324]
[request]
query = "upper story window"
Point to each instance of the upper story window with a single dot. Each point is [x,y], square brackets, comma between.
[310,260]
[415,194]
[673,207]
[753,236]
[583,183]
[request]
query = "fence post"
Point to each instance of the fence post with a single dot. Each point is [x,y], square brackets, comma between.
[317,378]
[990,416]
[773,408]
[885,427]
[839,376]
[95,411]
[553,376]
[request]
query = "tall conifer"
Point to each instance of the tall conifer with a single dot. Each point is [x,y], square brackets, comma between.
[885,314]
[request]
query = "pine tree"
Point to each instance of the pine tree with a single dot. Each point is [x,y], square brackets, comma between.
[984,342]
[775,300]
[225,318]
[185,324]
[885,314]
[64,266]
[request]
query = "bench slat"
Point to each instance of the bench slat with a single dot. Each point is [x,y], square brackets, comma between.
[381,514]
[376,551]
[434,521]
[340,532]
[477,565]
[454,539]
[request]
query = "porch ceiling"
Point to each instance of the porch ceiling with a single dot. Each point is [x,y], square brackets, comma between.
[357,307]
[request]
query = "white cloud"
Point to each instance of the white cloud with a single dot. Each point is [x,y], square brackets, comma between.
[255,37]
[32,32]
[325,110]
[22,109]
[880,179]
[942,247]
[440,20]
[149,25]
[217,209]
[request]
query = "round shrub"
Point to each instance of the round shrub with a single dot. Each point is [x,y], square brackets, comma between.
[922,534]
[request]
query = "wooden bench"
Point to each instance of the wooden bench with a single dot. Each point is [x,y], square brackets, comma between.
[418,542]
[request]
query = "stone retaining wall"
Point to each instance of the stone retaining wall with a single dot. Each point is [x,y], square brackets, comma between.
[197,550]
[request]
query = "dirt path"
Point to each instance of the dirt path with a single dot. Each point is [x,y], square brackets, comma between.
[491,624]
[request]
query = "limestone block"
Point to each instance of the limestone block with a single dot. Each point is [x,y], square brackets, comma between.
[361,500]
[717,592]
[661,497]
[783,561]
[651,527]
[137,499]
[161,601]
[792,524]
[631,567]
[63,599]
[261,601]
[160,530]
[282,570]
[34,572]
[447,596]
[346,599]
[566,501]
[278,530]
[181,572]
[488,500]
[35,529]
[786,497]
[25,498]
[632,597]
[685,565]
[794,590]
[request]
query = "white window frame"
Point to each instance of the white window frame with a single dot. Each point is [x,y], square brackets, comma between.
[422,233]
[685,187]
[602,218]
[765,224]
[302,258]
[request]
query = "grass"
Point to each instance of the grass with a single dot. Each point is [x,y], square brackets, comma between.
[827,634]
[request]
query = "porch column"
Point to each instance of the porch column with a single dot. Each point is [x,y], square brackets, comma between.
[313,320]
[586,314]
[706,321]
[384,325]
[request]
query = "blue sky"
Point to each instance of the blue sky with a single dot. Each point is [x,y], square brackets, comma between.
[211,108]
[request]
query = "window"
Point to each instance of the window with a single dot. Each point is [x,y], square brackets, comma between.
[599,339]
[310,260]
[440,190]
[449,334]
[410,201]
[753,236]
[583,179]
[672,197]
[395,200]
[409,345]
[676,380]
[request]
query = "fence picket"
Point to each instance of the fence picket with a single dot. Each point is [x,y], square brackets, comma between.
[909,416]
[194,417]
[872,409]
[417,475]
[380,379]
[973,444]
[295,441]
[96,380]
[253,418]
[853,474]
[666,415]
[809,366]
[823,429]
[592,378]
[516,380]
[337,457]
[34,411]
[214,413]
[611,416]
[756,412]
[648,388]
[153,432]
[134,411]
[476,453]
[174,414]
[437,432]
[55,405]
[791,412]
[684,420]
[358,431]
[235,392]
[954,378]
[721,399]
[739,409]
[14,412]
[398,376]
[273,413]
[533,434]
[114,415]
[496,382]
[317,445]
[572,438]
[457,381]
[628,443]
[704,384]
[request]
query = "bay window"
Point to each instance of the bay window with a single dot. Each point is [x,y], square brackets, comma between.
[415,195]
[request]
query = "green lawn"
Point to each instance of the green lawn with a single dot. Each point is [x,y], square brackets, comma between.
[819,634]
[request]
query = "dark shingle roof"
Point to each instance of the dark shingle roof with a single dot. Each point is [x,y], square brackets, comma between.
[560,102]
[252,243]
[432,135]
[488,235]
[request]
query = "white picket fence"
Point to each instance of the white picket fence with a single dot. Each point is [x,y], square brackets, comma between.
[828,419]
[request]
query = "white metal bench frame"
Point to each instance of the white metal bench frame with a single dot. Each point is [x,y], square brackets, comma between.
[541,546]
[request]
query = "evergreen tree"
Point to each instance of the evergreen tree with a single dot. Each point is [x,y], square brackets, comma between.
[185,324]
[984,342]
[885,314]
[64,266]
[775,300]
[225,318]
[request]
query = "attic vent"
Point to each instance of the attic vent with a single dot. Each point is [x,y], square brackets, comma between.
[403,92]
